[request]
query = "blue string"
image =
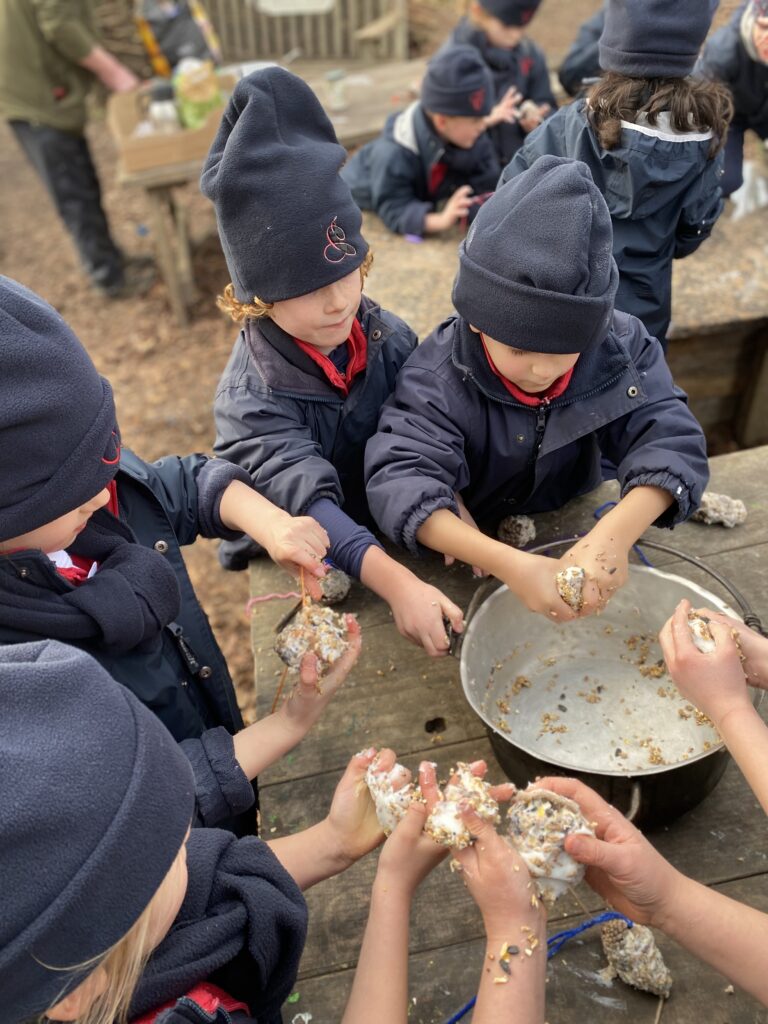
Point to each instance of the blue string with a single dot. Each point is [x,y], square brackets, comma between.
[600,512]
[554,944]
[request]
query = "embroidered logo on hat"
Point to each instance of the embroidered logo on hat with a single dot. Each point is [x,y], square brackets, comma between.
[526,15]
[338,248]
[111,455]
[477,99]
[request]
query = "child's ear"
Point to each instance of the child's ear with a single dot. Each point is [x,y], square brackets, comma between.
[76,1002]
[439,121]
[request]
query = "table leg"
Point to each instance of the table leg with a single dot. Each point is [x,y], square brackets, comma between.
[159,200]
[183,253]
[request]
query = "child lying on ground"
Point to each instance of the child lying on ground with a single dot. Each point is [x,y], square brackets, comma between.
[496,29]
[509,406]
[652,137]
[634,879]
[716,683]
[112,908]
[316,359]
[90,553]
[435,151]
[499,883]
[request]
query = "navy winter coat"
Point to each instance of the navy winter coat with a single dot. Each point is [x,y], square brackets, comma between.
[394,174]
[525,68]
[241,927]
[452,426]
[278,417]
[725,58]
[583,59]
[183,678]
[663,193]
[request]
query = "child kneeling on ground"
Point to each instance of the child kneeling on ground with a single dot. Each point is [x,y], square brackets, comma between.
[113,909]
[509,406]
[435,151]
[90,553]
[316,358]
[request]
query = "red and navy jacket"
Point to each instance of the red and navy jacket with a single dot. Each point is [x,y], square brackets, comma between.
[404,173]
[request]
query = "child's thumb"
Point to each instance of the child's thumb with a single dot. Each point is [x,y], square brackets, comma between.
[589,850]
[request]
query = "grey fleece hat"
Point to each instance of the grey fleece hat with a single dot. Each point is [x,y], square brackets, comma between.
[95,802]
[59,441]
[536,270]
[654,38]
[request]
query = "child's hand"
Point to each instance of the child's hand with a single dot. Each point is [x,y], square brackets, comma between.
[466,517]
[408,855]
[352,820]
[457,207]
[532,114]
[311,695]
[532,578]
[714,682]
[295,543]
[622,866]
[419,610]
[753,647]
[497,879]
[606,566]
[506,110]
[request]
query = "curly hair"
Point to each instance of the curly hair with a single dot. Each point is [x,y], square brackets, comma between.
[240,311]
[694,104]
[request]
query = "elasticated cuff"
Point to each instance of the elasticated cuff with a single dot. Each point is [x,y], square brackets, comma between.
[684,504]
[415,518]
[222,789]
[213,479]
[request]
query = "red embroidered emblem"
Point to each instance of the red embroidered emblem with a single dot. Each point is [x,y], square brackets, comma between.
[337,248]
[111,455]
[526,15]
[525,65]
[477,99]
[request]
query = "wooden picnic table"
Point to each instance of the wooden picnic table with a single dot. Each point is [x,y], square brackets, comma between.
[394,696]
[371,93]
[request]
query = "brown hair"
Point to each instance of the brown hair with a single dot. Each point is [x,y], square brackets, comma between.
[257,309]
[694,104]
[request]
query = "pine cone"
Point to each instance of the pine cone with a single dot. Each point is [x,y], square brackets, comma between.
[634,955]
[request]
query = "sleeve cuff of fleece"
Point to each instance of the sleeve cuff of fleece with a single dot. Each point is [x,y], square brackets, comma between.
[73,41]
[685,501]
[222,789]
[213,479]
[413,216]
[415,518]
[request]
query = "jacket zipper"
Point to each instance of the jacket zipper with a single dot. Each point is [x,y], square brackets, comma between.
[541,422]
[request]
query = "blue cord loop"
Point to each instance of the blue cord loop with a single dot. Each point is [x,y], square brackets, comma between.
[600,512]
[556,942]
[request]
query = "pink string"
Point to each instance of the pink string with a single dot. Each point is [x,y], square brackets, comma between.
[270,597]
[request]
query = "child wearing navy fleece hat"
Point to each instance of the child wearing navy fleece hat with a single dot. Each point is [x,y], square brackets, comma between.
[434,152]
[522,90]
[113,909]
[90,554]
[315,359]
[652,137]
[512,403]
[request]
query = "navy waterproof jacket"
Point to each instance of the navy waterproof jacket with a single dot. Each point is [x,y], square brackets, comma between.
[583,59]
[299,439]
[525,68]
[183,678]
[662,190]
[725,58]
[452,426]
[394,174]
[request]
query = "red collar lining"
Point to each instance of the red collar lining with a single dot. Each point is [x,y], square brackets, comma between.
[555,389]
[357,345]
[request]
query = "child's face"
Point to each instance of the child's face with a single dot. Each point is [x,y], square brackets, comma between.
[505,37]
[59,534]
[760,37]
[322,318]
[532,371]
[459,131]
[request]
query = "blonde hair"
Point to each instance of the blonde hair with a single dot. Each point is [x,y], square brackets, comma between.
[256,310]
[123,963]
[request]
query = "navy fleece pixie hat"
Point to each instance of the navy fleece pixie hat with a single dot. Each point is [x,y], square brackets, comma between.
[654,38]
[95,802]
[59,442]
[287,221]
[458,83]
[536,270]
[511,12]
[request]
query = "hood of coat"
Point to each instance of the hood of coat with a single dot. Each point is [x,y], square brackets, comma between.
[651,168]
